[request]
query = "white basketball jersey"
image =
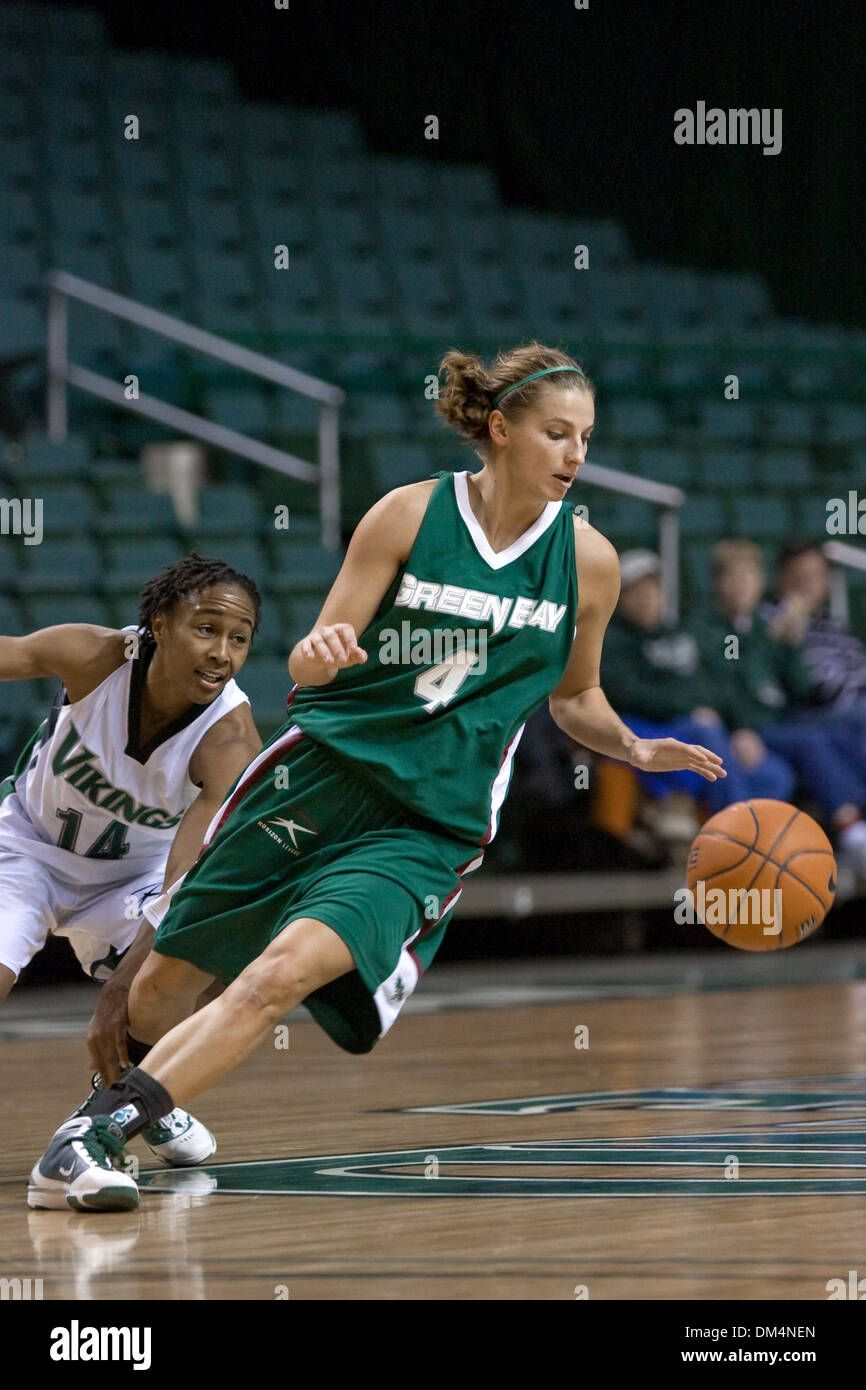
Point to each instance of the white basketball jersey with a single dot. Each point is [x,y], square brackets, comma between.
[88,809]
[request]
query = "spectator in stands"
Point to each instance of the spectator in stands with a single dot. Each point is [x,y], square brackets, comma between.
[834,657]
[761,681]
[655,677]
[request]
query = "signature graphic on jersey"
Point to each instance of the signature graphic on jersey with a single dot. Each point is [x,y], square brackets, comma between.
[291,826]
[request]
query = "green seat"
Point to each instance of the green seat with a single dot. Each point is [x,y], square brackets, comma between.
[761,517]
[134,511]
[406,183]
[227,511]
[844,424]
[22,327]
[47,610]
[13,621]
[301,615]
[243,408]
[267,682]
[132,562]
[302,568]
[396,464]
[725,467]
[732,421]
[789,422]
[370,413]
[635,420]
[68,509]
[60,567]
[662,465]
[49,462]
[783,469]
[703,515]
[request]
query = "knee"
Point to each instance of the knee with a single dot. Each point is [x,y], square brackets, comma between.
[7,980]
[272,986]
[160,978]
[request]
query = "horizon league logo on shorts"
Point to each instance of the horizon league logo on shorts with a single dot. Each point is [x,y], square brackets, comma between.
[292,828]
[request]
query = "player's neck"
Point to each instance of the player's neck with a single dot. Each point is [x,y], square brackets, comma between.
[503,514]
[161,702]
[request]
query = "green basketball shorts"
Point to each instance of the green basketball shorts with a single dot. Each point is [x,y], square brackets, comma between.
[302,834]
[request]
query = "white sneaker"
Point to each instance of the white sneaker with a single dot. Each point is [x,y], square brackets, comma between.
[77,1169]
[179,1140]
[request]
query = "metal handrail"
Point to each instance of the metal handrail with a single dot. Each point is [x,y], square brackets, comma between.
[668,499]
[841,556]
[62,373]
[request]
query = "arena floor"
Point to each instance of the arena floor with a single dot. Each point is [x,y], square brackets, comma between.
[689,1127]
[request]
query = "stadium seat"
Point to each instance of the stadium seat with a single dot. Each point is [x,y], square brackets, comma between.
[136,512]
[68,509]
[783,469]
[732,420]
[267,682]
[131,563]
[396,464]
[760,517]
[724,466]
[703,515]
[301,568]
[228,511]
[59,567]
[662,465]
[48,610]
[50,462]
[789,422]
[633,419]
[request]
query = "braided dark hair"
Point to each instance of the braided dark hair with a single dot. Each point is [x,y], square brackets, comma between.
[186,577]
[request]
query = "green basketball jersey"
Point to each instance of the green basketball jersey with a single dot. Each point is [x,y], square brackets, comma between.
[466,644]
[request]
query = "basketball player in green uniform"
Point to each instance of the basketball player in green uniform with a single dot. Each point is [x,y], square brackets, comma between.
[330,873]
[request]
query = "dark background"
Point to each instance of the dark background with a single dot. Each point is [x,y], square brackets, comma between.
[574,111]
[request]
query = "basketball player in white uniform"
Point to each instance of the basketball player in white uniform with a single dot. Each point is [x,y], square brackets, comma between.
[110,799]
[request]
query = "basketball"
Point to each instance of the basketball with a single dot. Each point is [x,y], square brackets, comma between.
[762,875]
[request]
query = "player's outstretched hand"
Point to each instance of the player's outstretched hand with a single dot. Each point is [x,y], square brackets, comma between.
[670,755]
[334,646]
[106,1035]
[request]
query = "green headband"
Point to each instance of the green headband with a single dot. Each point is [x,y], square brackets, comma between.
[524,381]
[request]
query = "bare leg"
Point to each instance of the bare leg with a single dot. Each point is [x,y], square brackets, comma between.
[7,980]
[164,992]
[206,1047]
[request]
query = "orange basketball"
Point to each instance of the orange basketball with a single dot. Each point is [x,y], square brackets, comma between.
[762,874]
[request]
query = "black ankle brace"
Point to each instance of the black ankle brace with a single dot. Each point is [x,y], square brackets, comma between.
[134,1102]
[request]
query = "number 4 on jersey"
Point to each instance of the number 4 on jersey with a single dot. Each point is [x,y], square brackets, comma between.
[438,685]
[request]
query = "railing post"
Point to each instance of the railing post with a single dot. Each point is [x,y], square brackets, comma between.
[58,367]
[329,475]
[669,553]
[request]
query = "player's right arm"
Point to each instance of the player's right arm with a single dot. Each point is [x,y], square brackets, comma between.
[382,542]
[81,655]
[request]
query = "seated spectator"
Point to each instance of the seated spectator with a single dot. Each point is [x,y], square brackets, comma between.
[834,657]
[761,679]
[654,676]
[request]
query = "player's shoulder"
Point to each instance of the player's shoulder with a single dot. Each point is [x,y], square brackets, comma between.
[593,551]
[88,646]
[395,520]
[233,733]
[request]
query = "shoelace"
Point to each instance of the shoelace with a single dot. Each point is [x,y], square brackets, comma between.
[101,1143]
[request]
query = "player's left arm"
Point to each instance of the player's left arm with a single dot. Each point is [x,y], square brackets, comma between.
[226,749]
[579,705]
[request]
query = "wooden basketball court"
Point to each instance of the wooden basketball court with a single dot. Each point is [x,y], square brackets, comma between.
[690,1127]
